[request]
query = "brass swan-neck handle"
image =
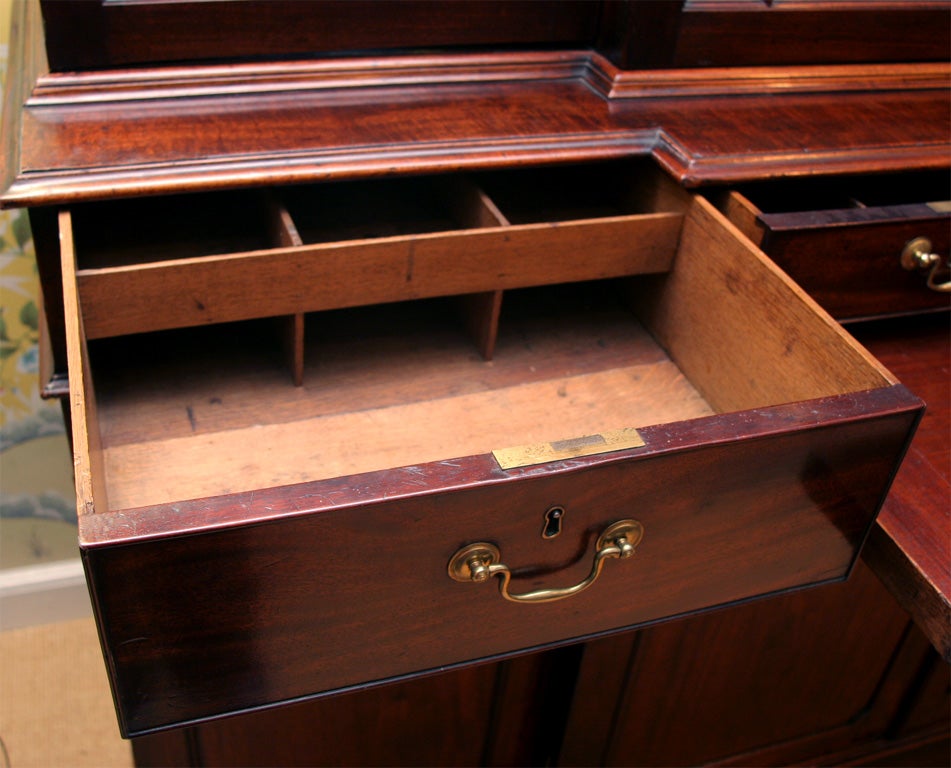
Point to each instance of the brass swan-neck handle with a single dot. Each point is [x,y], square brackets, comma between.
[481,561]
[917,254]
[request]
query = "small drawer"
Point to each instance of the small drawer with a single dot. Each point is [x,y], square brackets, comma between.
[843,239]
[249,543]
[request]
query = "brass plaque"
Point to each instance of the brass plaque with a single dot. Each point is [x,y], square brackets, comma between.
[941,206]
[589,445]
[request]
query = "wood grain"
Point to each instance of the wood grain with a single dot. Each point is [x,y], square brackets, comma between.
[173,144]
[89,471]
[284,233]
[196,381]
[106,529]
[760,660]
[249,600]
[815,493]
[616,83]
[868,279]
[156,472]
[212,289]
[386,726]
[728,316]
[909,548]
[480,313]
[743,214]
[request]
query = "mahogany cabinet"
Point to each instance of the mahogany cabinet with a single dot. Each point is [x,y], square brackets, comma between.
[433,399]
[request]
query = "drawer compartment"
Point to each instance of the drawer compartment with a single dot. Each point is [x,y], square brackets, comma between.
[249,543]
[358,243]
[842,239]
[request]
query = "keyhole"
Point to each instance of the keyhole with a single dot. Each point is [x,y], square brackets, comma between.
[553,518]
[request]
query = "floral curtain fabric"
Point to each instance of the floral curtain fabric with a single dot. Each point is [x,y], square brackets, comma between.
[37,501]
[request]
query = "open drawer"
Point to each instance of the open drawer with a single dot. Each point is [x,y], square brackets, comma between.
[248,542]
[863,247]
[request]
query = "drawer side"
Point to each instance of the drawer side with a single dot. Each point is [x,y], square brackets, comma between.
[87,444]
[741,330]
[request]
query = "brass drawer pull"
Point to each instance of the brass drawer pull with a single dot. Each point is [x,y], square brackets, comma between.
[481,561]
[917,254]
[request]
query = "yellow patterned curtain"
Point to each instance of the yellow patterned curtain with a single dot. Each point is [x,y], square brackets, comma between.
[37,501]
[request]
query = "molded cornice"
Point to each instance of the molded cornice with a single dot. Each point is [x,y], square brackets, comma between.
[130,132]
[599,73]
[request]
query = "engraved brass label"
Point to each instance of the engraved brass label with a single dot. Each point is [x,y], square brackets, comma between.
[589,445]
[941,206]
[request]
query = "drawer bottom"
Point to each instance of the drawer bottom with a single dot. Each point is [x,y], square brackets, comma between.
[393,386]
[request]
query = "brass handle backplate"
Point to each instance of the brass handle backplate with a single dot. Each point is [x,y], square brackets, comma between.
[481,561]
[917,254]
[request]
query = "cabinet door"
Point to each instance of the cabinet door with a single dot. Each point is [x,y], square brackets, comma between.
[495,714]
[818,672]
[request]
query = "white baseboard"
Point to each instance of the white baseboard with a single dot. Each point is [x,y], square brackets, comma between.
[43,594]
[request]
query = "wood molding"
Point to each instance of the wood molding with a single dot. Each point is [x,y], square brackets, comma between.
[614,83]
[98,87]
[27,61]
[697,170]
[268,78]
[203,174]
[162,130]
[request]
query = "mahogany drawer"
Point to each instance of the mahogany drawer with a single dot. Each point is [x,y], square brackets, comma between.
[248,542]
[842,239]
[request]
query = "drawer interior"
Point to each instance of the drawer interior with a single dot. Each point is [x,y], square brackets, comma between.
[133,232]
[564,194]
[394,385]
[763,208]
[845,192]
[360,210]
[205,410]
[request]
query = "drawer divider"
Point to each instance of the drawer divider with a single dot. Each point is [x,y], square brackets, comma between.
[284,234]
[480,311]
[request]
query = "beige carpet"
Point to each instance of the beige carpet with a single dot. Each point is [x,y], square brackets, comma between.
[55,705]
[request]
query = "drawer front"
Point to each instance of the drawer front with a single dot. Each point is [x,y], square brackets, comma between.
[852,266]
[345,583]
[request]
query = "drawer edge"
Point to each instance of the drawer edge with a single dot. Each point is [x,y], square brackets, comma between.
[197,516]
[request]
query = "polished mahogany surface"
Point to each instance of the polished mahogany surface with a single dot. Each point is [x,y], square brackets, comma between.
[910,547]
[178,138]
[282,608]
